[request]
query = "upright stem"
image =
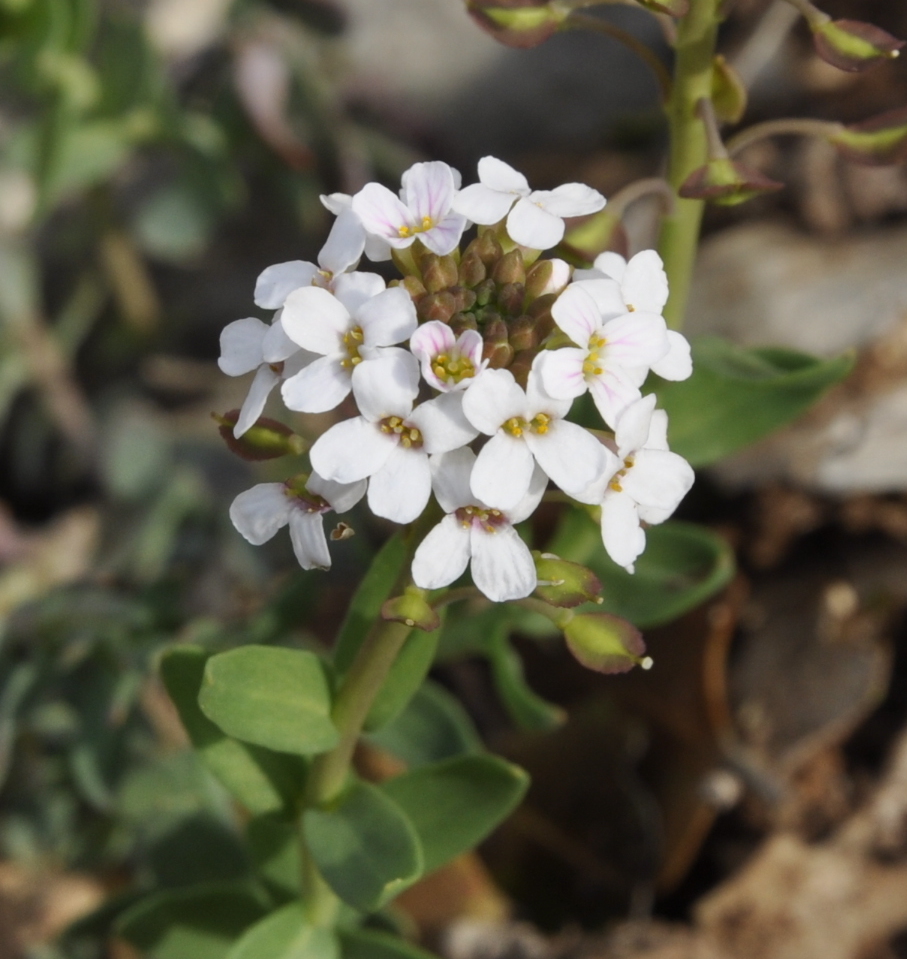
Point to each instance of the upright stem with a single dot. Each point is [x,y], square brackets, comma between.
[696,37]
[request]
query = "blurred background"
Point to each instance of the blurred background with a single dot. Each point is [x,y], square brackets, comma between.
[748,797]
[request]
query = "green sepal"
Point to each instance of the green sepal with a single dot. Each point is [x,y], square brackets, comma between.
[411,609]
[726,182]
[563,583]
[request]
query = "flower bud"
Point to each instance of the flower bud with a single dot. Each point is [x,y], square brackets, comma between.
[546,276]
[521,364]
[523,335]
[439,272]
[510,298]
[726,182]
[728,92]
[472,270]
[565,584]
[411,609]
[486,247]
[877,141]
[497,349]
[509,269]
[674,8]
[463,321]
[517,23]
[466,299]
[484,292]
[267,439]
[606,643]
[412,285]
[437,306]
[852,45]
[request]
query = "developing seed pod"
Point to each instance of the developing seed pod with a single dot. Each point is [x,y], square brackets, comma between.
[605,643]
[852,45]
[875,142]
[726,182]
[565,584]
[517,23]
[266,439]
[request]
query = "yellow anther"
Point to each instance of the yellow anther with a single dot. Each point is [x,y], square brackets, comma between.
[404,231]
[515,426]
[409,436]
[540,423]
[615,485]
[427,223]
[453,367]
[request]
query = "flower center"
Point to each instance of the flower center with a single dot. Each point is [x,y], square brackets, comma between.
[304,500]
[410,437]
[516,425]
[352,341]
[593,363]
[276,367]
[621,473]
[427,224]
[453,367]
[488,519]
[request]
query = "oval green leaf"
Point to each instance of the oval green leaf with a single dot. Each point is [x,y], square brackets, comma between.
[371,944]
[286,934]
[270,696]
[365,847]
[274,845]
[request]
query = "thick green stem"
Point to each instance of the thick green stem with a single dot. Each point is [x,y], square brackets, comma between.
[696,37]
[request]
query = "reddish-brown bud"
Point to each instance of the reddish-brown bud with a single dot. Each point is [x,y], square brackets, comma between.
[497,349]
[509,269]
[438,272]
[437,306]
[412,285]
[523,335]
[726,182]
[510,298]
[486,247]
[267,439]
[466,299]
[517,23]
[485,292]
[463,321]
[875,142]
[852,45]
[472,270]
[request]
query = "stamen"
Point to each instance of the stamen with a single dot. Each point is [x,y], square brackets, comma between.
[410,437]
[515,426]
[453,367]
[352,340]
[540,423]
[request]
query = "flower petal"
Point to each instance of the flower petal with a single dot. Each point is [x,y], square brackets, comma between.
[260,512]
[633,426]
[611,264]
[676,364]
[309,543]
[354,289]
[316,320]
[431,340]
[622,535]
[502,566]
[609,301]
[399,491]
[561,372]
[241,346]
[344,245]
[645,284]
[277,282]
[635,340]
[482,204]
[445,237]
[576,314]
[428,190]
[320,386]
[501,176]
[658,479]
[263,382]
[336,203]
[351,451]
[383,214]
[387,385]
[570,199]
[442,423]
[442,556]
[276,345]
[570,455]
[531,226]
[493,398]
[450,474]
[612,393]
[528,504]
[387,318]
[503,471]
[658,432]
[341,496]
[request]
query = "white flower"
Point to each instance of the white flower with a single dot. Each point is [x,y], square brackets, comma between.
[422,210]
[344,328]
[648,485]
[250,344]
[644,286]
[448,362]
[526,428]
[390,442]
[537,219]
[376,249]
[616,349]
[502,566]
[261,511]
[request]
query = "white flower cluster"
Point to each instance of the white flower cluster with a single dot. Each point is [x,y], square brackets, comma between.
[433,417]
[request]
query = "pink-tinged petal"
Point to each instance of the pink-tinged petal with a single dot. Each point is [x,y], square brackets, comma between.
[442,423]
[316,320]
[277,282]
[531,226]
[470,345]
[529,503]
[634,424]
[445,237]
[502,566]
[503,471]
[442,556]
[354,289]
[561,372]
[483,205]
[262,383]
[344,244]
[309,543]
[260,512]
[387,318]
[612,393]
[341,496]
[606,294]
[428,190]
[276,345]
[399,491]
[676,364]
[622,535]
[321,386]
[433,338]
[336,203]
[658,432]
[635,340]
[571,199]
[386,386]
[658,479]
[500,176]
[645,283]
[241,346]
[570,455]
[539,400]
[383,214]
[450,473]
[493,398]
[576,314]
[561,273]
[611,264]
[351,451]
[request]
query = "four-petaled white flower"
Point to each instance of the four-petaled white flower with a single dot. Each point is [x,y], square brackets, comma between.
[615,349]
[501,564]
[644,286]
[448,362]
[537,219]
[526,428]
[648,484]
[390,442]
[345,328]
[422,210]
[261,511]
[376,249]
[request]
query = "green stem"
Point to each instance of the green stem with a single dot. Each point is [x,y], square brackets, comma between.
[696,37]
[790,126]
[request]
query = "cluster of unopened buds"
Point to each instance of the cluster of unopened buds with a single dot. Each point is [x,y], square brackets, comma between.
[464,373]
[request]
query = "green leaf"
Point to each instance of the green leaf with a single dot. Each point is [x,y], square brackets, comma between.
[526,708]
[736,396]
[270,696]
[200,921]
[286,934]
[369,944]
[364,846]
[366,604]
[455,804]
[405,677]
[434,726]
[274,845]
[261,780]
